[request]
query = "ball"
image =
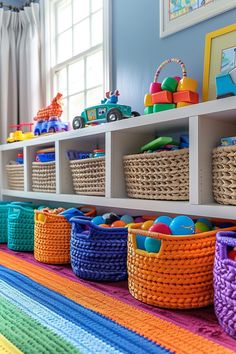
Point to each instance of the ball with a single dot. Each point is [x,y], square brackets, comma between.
[147,224]
[206,221]
[131,224]
[97,220]
[182,225]
[109,218]
[127,219]
[161,228]
[140,242]
[163,219]
[139,219]
[104,225]
[118,223]
[232,255]
[152,245]
[201,227]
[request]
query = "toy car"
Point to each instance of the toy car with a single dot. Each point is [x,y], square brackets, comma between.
[19,134]
[53,125]
[107,111]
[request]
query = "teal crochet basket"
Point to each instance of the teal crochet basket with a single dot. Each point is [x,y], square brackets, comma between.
[21,227]
[4,207]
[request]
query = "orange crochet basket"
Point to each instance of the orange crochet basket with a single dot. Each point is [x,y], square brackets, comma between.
[179,276]
[52,236]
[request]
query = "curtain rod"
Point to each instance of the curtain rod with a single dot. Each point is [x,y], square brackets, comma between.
[15,7]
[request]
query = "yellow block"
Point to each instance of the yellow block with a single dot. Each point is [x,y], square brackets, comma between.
[183,104]
[148,100]
[187,84]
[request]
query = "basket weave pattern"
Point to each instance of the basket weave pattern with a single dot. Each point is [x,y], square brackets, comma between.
[51,238]
[98,253]
[179,276]
[15,177]
[160,175]
[44,177]
[3,222]
[224,174]
[225,283]
[88,176]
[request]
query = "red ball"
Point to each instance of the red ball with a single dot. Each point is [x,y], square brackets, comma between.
[161,228]
[232,255]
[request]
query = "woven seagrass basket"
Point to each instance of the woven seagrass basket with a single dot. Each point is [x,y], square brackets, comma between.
[225,283]
[44,177]
[88,176]
[224,174]
[161,175]
[180,276]
[98,253]
[52,238]
[15,177]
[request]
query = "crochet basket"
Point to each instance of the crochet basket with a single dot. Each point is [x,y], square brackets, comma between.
[225,283]
[15,177]
[160,175]
[88,176]
[21,227]
[180,276]
[98,253]
[52,238]
[224,175]
[44,177]
[4,207]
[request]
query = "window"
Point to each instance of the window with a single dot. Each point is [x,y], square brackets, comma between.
[79,47]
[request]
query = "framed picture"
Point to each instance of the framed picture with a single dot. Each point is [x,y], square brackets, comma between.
[176,15]
[220,57]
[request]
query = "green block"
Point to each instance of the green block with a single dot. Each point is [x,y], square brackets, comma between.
[169,84]
[148,110]
[159,107]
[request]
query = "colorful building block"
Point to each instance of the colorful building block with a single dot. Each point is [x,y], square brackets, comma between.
[159,107]
[225,86]
[148,110]
[185,96]
[169,84]
[162,97]
[155,87]
[187,84]
[148,100]
[183,104]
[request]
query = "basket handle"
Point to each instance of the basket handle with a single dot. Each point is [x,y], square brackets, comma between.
[167,61]
[225,239]
[78,222]
[36,217]
[14,213]
[135,231]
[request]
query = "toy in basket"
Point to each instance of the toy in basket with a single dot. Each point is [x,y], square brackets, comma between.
[179,276]
[98,253]
[225,282]
[52,233]
[173,92]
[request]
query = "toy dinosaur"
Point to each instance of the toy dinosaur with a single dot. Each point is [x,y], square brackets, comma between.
[54,109]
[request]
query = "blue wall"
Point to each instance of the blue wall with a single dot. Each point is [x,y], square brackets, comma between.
[138,50]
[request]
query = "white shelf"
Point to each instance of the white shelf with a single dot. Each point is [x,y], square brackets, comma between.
[206,124]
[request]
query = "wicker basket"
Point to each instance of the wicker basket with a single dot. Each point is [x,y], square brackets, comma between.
[15,177]
[225,283]
[44,177]
[89,176]
[98,253]
[160,175]
[180,276]
[224,174]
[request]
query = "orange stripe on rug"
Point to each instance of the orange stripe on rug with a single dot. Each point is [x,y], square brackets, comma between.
[160,331]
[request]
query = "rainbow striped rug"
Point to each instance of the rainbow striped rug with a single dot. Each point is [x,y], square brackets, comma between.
[42,311]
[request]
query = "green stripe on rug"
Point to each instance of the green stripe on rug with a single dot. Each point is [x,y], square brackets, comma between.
[15,325]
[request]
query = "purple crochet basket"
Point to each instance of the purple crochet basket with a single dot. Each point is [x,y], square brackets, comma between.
[225,282]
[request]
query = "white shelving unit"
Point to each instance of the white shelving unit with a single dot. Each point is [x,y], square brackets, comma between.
[206,123]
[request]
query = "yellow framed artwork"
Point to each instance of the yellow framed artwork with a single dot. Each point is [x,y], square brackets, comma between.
[220,57]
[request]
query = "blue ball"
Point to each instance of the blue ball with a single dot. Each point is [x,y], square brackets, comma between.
[127,219]
[206,222]
[152,245]
[226,224]
[97,220]
[182,225]
[164,219]
[140,241]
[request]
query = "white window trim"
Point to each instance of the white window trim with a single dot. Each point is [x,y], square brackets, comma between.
[47,55]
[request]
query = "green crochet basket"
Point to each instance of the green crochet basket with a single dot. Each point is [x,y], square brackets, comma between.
[21,227]
[4,207]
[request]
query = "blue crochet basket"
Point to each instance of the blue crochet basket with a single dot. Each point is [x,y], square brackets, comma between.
[4,207]
[98,253]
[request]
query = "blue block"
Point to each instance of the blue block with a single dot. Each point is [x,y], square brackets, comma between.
[225,86]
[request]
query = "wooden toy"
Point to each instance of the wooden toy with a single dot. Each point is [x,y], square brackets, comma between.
[161,93]
[159,107]
[162,97]
[225,85]
[185,96]
[182,225]
[157,143]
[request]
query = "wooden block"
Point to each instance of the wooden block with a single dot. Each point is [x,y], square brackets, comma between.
[148,110]
[169,84]
[155,87]
[187,84]
[148,100]
[183,104]
[162,97]
[159,107]
[185,96]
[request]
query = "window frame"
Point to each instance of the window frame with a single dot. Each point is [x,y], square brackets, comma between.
[49,67]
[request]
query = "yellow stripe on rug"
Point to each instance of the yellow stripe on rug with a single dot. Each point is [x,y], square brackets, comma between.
[7,347]
[160,331]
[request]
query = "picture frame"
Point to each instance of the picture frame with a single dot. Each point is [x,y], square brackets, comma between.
[220,57]
[176,15]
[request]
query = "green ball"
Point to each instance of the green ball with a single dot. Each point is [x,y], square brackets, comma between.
[152,245]
[201,227]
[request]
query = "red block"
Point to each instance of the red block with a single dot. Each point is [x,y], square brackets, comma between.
[162,97]
[186,96]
